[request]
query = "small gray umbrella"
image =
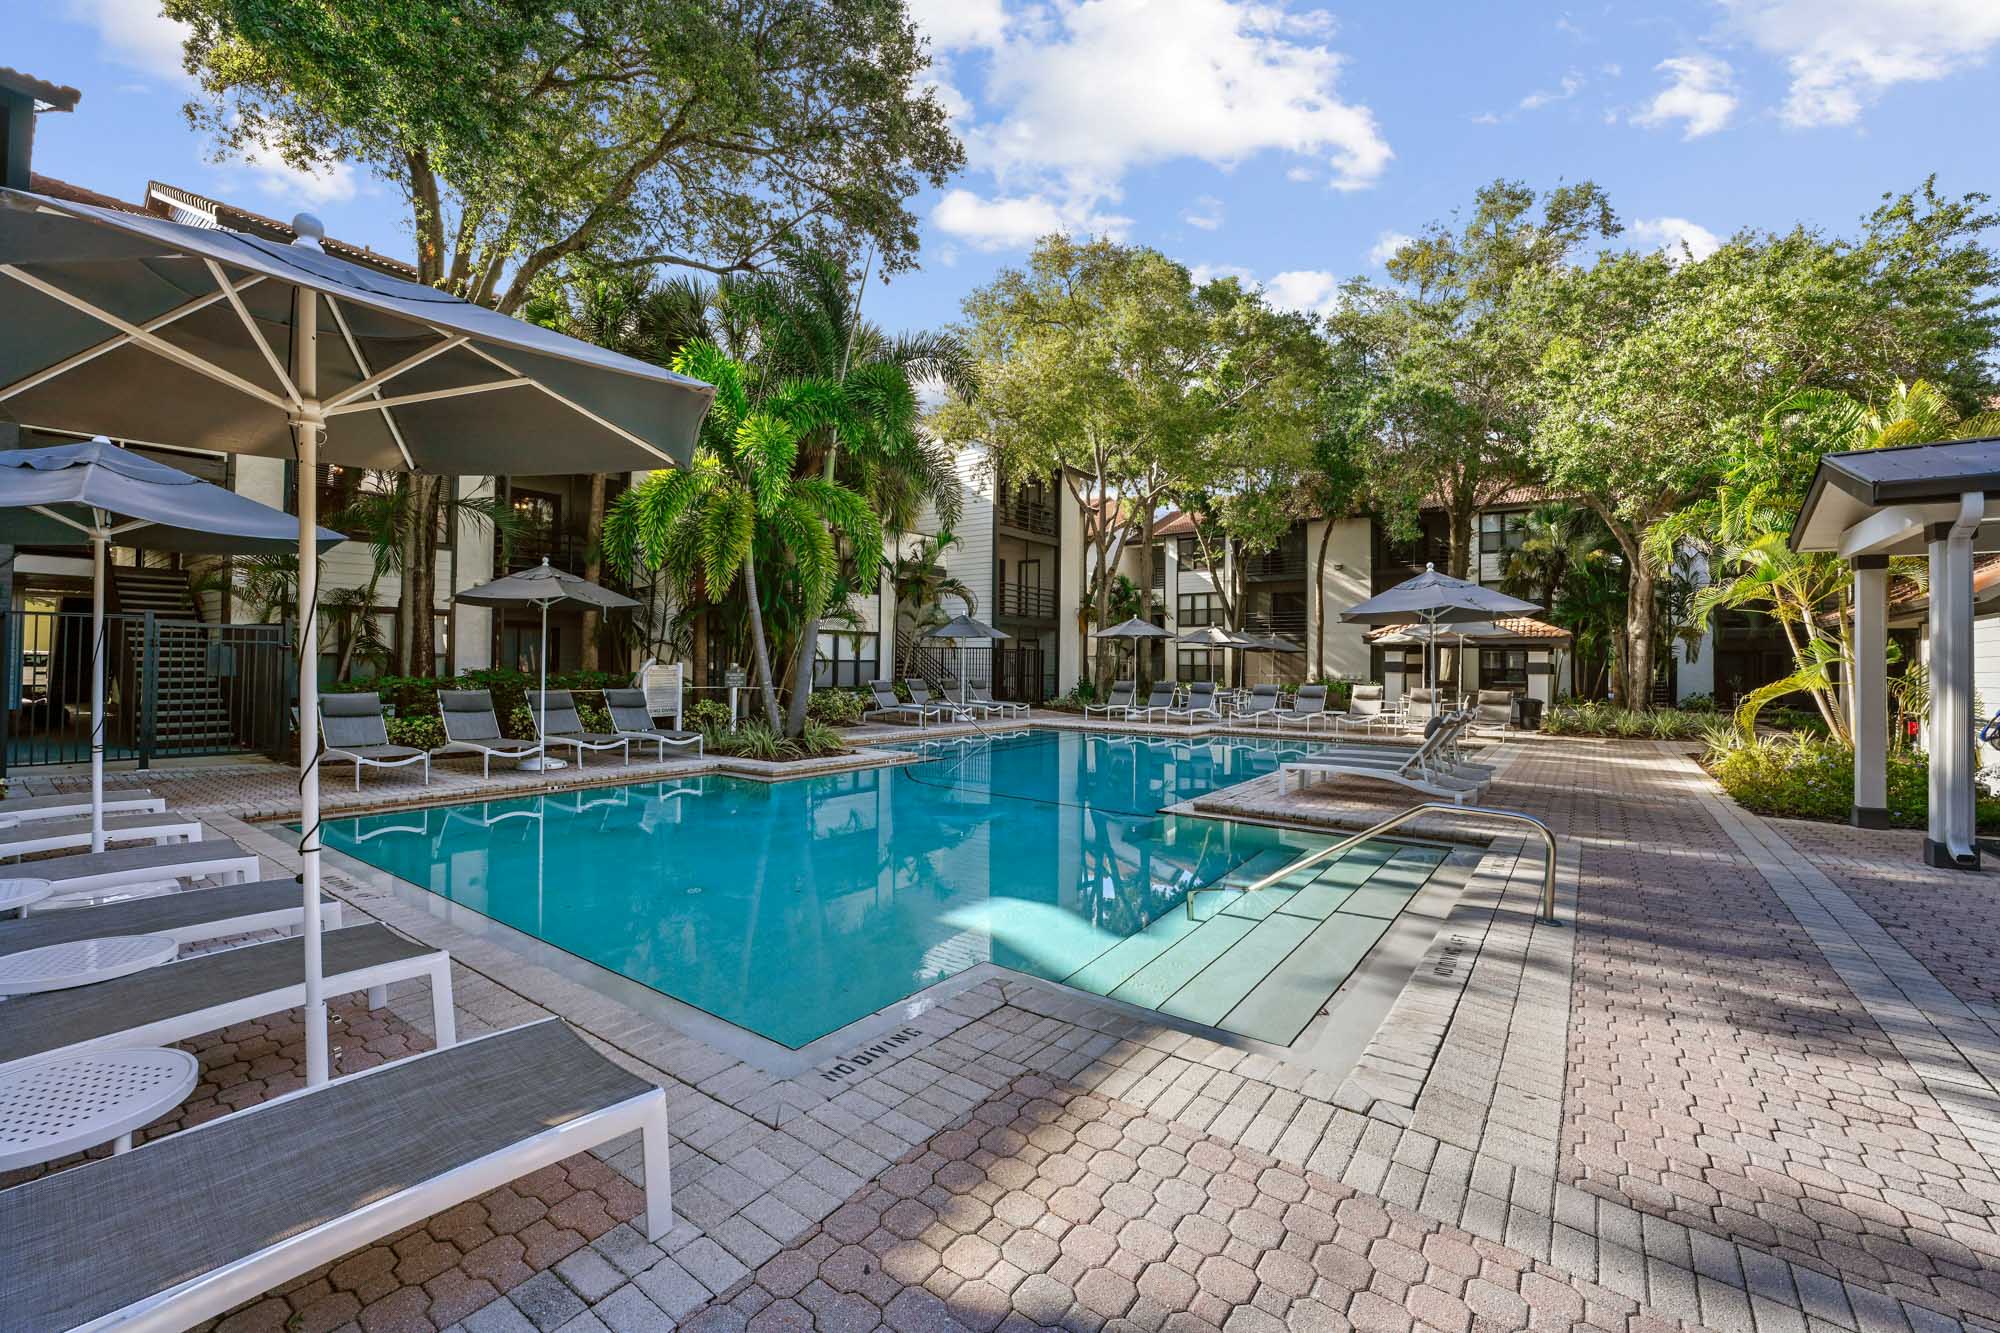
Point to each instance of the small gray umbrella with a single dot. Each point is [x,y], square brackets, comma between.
[1135,629]
[544,586]
[97,493]
[1433,599]
[1214,636]
[965,630]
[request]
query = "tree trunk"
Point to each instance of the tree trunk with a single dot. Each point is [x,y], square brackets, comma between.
[1143,650]
[1102,675]
[1639,623]
[1319,601]
[593,569]
[758,644]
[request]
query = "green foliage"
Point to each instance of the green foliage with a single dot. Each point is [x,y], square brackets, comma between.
[645,131]
[422,733]
[1806,776]
[414,698]
[758,739]
[836,707]
[707,715]
[1603,719]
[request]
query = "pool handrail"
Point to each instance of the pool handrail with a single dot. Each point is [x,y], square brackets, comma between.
[1548,914]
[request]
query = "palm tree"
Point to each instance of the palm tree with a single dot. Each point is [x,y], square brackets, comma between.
[740,504]
[921,582]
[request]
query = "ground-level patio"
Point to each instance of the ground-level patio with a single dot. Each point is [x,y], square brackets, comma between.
[1750,1083]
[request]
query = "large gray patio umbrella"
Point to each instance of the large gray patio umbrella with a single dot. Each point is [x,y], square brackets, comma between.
[1435,599]
[96,493]
[545,586]
[965,630]
[132,326]
[1135,629]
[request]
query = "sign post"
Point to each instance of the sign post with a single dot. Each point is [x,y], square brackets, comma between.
[736,678]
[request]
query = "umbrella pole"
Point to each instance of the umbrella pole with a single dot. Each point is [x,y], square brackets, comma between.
[100,537]
[306,426]
[542,701]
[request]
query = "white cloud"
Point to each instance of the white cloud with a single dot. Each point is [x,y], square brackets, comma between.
[1671,234]
[1313,290]
[1844,54]
[1570,86]
[273,176]
[957,23]
[1012,222]
[1386,245]
[1206,213]
[1203,274]
[1300,175]
[135,33]
[1698,95]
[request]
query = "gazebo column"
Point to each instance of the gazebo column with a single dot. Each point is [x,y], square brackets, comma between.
[1868,692]
[1950,837]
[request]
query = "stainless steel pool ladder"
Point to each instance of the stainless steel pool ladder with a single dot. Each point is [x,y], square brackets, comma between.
[1548,915]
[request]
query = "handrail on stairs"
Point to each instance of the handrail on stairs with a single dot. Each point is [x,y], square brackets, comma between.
[1548,915]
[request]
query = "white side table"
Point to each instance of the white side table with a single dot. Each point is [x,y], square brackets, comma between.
[56,1107]
[18,895]
[80,962]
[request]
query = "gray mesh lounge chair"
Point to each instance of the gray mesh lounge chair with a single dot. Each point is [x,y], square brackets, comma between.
[920,695]
[556,710]
[87,874]
[632,719]
[70,805]
[351,728]
[1117,703]
[1308,709]
[248,1201]
[471,728]
[887,704]
[1365,711]
[209,991]
[1420,705]
[1200,704]
[983,698]
[191,918]
[1262,699]
[62,835]
[1418,772]
[1160,700]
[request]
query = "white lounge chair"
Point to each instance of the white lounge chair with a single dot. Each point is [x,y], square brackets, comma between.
[1367,711]
[1159,700]
[248,1201]
[71,804]
[1263,699]
[632,718]
[1416,772]
[1200,704]
[1118,702]
[352,728]
[194,917]
[61,835]
[471,728]
[981,697]
[920,695]
[557,723]
[1308,709]
[94,874]
[209,991]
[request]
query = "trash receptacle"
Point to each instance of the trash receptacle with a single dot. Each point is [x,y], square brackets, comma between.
[1528,713]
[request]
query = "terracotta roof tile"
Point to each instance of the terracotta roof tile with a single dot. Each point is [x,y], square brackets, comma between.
[60,96]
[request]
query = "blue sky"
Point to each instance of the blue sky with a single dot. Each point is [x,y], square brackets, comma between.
[1288,143]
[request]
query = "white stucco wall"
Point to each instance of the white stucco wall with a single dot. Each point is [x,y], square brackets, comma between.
[1350,548]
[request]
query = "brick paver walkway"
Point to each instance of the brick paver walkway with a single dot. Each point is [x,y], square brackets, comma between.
[1753,1084]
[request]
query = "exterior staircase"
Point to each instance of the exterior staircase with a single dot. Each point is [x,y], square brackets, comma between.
[189,709]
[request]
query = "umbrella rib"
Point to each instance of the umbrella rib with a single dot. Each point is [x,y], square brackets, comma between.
[375,381]
[223,285]
[89,354]
[428,396]
[576,407]
[61,518]
[141,337]
[361,360]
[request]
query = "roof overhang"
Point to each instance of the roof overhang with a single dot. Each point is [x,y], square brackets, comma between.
[1881,501]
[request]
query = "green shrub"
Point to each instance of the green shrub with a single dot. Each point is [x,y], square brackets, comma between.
[593,714]
[837,708]
[412,697]
[820,739]
[423,733]
[1697,703]
[1604,719]
[707,715]
[1807,776]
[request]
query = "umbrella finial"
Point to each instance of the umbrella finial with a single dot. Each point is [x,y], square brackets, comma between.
[545,560]
[311,231]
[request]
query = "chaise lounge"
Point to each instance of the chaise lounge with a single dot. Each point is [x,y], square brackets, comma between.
[1116,703]
[633,719]
[61,835]
[351,727]
[71,804]
[471,728]
[91,874]
[193,917]
[558,725]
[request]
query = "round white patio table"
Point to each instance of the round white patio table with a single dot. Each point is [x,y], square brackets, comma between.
[18,895]
[81,962]
[57,1107]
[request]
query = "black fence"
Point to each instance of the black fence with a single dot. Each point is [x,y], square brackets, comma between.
[174,688]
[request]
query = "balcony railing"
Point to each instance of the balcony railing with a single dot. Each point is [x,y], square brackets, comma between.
[1012,599]
[1026,514]
[567,551]
[1262,624]
[1282,563]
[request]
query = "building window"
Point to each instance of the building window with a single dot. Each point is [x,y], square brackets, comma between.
[1192,556]
[1499,533]
[1198,664]
[1199,608]
[1503,668]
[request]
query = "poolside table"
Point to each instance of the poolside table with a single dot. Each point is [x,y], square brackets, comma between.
[18,895]
[53,1108]
[81,962]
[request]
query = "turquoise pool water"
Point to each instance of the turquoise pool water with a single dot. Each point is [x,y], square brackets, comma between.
[794,908]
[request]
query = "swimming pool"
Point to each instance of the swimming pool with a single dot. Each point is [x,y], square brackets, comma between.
[797,907]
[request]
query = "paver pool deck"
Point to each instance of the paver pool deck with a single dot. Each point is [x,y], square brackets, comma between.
[1752,1082]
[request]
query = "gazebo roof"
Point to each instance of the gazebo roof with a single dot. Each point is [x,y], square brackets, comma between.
[1850,488]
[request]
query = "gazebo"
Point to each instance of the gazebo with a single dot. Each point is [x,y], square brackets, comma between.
[1930,500]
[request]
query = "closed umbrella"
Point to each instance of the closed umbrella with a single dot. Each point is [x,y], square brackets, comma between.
[965,630]
[1435,599]
[544,586]
[144,329]
[95,492]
